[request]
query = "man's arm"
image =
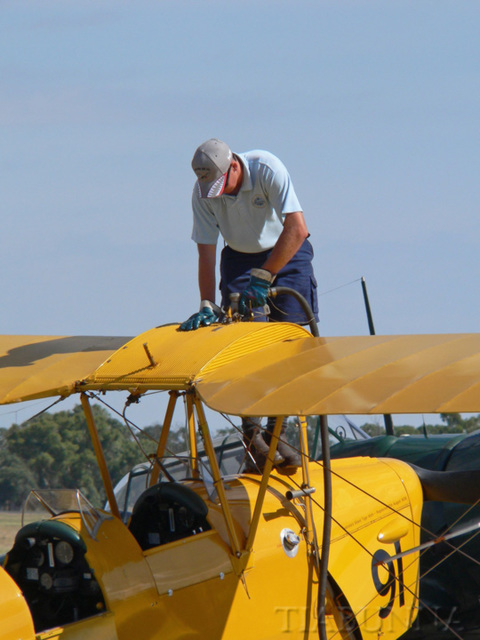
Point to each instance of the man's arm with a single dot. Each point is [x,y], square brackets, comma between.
[289,242]
[209,312]
[207,255]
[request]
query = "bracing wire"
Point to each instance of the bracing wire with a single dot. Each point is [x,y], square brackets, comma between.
[341,286]
[408,587]
[39,413]
[131,425]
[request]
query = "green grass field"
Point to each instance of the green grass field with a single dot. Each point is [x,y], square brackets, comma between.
[10,522]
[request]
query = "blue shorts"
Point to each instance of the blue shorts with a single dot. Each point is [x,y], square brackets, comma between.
[297,274]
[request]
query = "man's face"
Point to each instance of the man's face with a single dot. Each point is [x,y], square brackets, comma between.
[234,178]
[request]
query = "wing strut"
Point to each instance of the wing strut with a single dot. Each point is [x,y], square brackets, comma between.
[191,437]
[162,443]
[327,527]
[218,483]
[264,484]
[97,446]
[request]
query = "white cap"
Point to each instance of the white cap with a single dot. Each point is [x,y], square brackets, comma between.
[211,163]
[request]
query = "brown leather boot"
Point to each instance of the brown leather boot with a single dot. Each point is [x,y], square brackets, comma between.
[291,457]
[256,447]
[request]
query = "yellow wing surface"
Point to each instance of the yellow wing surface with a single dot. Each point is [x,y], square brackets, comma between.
[255,369]
[163,358]
[356,375]
[41,366]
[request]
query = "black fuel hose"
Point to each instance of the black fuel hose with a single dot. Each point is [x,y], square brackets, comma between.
[280,291]
[327,476]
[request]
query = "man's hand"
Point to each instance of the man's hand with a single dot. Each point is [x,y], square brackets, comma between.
[208,314]
[256,292]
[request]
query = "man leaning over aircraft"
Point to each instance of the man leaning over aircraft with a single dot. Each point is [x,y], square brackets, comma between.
[249,199]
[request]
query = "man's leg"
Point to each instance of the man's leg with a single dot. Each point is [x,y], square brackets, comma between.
[298,275]
[256,446]
[235,274]
[291,457]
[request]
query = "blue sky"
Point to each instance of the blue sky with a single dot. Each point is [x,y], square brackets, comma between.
[373,106]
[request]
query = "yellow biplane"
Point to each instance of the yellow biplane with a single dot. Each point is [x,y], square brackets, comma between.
[318,552]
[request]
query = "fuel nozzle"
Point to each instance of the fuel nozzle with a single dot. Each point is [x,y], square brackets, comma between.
[234,300]
[235,314]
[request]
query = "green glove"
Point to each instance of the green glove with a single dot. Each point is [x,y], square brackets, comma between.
[256,292]
[208,314]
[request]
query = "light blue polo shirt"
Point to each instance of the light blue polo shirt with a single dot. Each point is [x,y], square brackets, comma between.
[252,220]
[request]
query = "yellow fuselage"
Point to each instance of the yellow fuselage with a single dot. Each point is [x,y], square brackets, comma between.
[192,588]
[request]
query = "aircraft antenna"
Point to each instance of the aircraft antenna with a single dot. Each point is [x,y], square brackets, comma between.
[387,417]
[371,326]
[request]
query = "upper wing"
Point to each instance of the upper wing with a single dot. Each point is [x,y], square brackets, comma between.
[41,366]
[161,358]
[165,358]
[255,369]
[354,375]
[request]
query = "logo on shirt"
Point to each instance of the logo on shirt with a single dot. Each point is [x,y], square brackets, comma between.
[258,201]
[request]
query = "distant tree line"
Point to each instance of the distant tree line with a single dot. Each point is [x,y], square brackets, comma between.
[451,423]
[53,450]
